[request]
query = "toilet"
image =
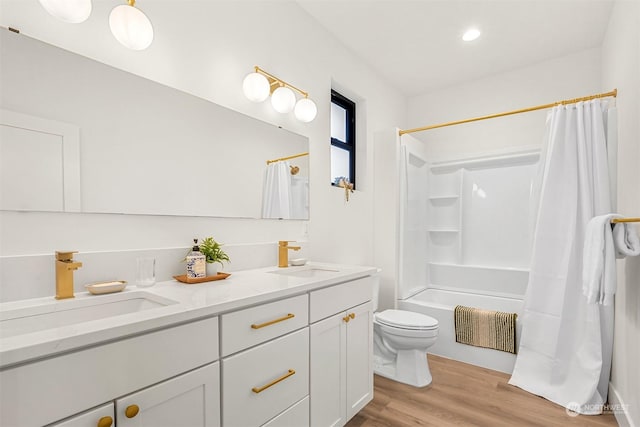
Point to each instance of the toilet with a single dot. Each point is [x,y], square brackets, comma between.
[400,342]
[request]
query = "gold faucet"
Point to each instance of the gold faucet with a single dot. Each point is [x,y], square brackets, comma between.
[65,266]
[283,252]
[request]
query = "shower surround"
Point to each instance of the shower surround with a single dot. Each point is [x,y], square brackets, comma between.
[465,237]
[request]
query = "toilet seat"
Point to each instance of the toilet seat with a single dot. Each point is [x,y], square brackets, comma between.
[407,320]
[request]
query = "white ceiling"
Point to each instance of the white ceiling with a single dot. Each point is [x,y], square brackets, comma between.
[416,44]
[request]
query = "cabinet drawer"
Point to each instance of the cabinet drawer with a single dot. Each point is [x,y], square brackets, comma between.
[334,299]
[246,328]
[297,415]
[251,392]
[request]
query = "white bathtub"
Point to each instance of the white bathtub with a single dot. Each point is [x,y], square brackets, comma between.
[439,304]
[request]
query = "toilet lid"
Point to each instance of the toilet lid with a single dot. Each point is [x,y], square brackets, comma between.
[406,319]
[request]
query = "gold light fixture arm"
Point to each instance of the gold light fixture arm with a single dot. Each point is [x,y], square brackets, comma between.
[273,80]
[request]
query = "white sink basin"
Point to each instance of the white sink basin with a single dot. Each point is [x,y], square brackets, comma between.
[306,272]
[56,314]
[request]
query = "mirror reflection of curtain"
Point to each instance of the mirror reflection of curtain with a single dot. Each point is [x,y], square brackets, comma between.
[277,191]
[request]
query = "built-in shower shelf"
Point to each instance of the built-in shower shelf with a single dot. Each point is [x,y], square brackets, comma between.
[451,197]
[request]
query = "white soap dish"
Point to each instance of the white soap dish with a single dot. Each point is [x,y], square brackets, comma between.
[298,262]
[106,287]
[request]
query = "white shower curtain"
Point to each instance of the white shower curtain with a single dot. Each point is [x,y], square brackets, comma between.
[566,343]
[276,193]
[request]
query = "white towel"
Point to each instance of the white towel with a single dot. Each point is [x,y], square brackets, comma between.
[625,239]
[599,261]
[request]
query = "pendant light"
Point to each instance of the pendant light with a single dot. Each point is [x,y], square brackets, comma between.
[256,87]
[305,110]
[283,100]
[130,26]
[70,11]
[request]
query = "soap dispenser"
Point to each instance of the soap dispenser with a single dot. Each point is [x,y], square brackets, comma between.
[196,262]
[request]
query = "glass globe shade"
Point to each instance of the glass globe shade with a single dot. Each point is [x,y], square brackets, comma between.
[71,11]
[256,87]
[283,99]
[131,27]
[305,110]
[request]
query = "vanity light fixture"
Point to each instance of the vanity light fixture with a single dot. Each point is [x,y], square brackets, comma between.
[70,11]
[258,85]
[130,26]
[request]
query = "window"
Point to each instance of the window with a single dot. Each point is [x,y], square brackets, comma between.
[343,139]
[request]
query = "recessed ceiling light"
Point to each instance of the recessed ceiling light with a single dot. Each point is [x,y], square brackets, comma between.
[471,34]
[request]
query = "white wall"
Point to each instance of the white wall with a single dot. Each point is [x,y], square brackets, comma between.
[206,48]
[566,77]
[621,68]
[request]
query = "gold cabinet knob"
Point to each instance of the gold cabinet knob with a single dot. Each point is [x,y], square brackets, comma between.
[105,422]
[346,318]
[352,315]
[131,411]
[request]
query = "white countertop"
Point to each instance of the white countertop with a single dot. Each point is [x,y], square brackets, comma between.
[241,289]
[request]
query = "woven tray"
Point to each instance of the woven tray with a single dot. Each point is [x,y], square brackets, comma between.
[184,279]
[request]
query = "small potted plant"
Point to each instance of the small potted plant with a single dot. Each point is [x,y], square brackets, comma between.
[214,254]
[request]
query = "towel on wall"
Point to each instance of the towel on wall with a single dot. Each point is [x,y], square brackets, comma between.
[485,328]
[599,261]
[625,239]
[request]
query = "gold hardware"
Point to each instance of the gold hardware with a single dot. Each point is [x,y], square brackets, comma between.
[276,82]
[65,266]
[348,187]
[283,252]
[274,382]
[271,322]
[352,315]
[621,220]
[105,422]
[132,3]
[346,319]
[132,411]
[613,93]
[287,158]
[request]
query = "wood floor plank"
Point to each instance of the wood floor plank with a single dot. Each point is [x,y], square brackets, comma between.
[465,395]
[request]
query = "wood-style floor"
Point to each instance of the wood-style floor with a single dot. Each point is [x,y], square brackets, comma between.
[464,395]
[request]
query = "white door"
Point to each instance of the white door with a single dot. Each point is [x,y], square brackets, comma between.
[327,365]
[359,359]
[102,416]
[189,400]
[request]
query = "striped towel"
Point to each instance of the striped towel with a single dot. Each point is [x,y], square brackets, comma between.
[486,328]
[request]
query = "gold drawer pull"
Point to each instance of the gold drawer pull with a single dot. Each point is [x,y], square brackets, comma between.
[274,382]
[105,422]
[132,411]
[346,318]
[352,315]
[271,322]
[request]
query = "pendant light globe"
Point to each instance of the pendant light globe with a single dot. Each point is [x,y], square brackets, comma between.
[70,11]
[131,27]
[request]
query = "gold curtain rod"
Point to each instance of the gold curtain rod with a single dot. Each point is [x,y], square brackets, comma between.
[287,158]
[619,220]
[613,93]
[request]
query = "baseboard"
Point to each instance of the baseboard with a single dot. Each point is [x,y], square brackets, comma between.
[621,410]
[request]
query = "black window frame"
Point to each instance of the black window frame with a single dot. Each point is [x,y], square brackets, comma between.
[350,144]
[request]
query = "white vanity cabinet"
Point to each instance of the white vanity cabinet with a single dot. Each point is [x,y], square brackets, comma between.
[54,389]
[189,400]
[341,351]
[103,416]
[265,374]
